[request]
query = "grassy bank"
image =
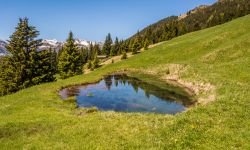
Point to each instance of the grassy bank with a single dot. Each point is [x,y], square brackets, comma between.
[36,118]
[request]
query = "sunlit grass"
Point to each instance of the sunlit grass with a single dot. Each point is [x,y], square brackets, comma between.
[36,118]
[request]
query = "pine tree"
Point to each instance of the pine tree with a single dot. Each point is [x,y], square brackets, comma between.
[97,49]
[146,44]
[130,45]
[22,68]
[126,45]
[116,46]
[45,67]
[70,62]
[23,46]
[107,45]
[95,62]
[124,55]
[84,55]
[121,47]
[139,39]
[8,79]
[53,59]
[91,52]
[135,46]
[112,51]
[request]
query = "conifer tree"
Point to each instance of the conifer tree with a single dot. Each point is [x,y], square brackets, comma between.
[130,45]
[84,55]
[126,45]
[22,68]
[95,62]
[91,52]
[146,44]
[124,55]
[45,67]
[97,49]
[112,51]
[53,58]
[70,62]
[135,46]
[121,47]
[107,45]
[116,46]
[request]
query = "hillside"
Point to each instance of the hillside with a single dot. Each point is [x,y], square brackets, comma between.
[214,62]
[201,17]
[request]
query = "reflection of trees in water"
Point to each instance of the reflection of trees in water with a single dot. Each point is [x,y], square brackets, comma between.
[149,89]
[73,91]
[135,86]
[108,82]
[116,83]
[147,94]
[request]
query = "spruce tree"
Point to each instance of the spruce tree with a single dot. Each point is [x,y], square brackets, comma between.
[70,62]
[91,52]
[107,45]
[124,55]
[45,67]
[22,68]
[84,55]
[97,49]
[135,46]
[121,47]
[112,51]
[146,44]
[23,46]
[116,46]
[8,83]
[95,62]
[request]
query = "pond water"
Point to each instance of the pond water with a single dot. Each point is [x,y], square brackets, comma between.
[126,94]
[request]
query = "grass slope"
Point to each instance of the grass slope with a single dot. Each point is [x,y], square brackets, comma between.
[36,118]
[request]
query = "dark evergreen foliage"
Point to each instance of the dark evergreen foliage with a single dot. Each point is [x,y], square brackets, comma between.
[200,18]
[135,46]
[45,67]
[124,55]
[70,61]
[115,48]
[146,44]
[25,66]
[107,45]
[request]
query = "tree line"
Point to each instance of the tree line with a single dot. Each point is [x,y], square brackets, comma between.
[27,65]
[197,19]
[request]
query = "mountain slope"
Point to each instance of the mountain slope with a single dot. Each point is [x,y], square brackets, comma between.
[47,44]
[57,45]
[36,118]
[199,18]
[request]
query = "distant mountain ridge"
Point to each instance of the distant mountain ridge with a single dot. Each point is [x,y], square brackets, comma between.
[3,50]
[53,44]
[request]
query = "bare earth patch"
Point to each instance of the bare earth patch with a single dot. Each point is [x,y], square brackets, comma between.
[171,73]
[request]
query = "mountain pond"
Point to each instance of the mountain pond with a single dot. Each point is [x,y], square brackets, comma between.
[122,93]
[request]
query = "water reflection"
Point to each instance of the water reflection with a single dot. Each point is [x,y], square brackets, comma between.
[126,94]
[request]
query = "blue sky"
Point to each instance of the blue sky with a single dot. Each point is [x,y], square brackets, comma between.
[89,19]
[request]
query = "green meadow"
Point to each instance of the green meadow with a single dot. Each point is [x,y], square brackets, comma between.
[36,118]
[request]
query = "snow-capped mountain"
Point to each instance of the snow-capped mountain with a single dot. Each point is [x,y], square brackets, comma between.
[3,51]
[57,45]
[53,44]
